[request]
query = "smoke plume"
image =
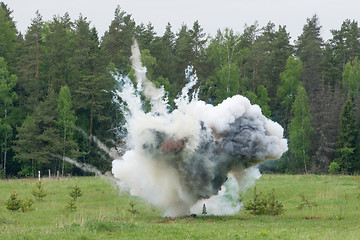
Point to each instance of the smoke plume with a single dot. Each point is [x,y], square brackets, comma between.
[196,153]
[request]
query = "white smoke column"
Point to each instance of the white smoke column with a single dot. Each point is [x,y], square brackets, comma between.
[152,93]
[177,159]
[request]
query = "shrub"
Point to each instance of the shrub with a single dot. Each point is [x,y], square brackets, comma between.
[274,206]
[26,205]
[334,168]
[74,194]
[306,202]
[13,204]
[132,208]
[71,205]
[39,192]
[261,204]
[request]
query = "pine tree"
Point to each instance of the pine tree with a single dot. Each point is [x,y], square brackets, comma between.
[345,43]
[309,49]
[347,140]
[300,131]
[330,73]
[59,48]
[8,35]
[116,42]
[38,138]
[26,145]
[161,50]
[145,35]
[280,51]
[323,98]
[198,42]
[184,56]
[88,64]
[32,78]
[92,93]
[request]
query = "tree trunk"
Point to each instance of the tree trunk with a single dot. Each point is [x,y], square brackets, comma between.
[91,112]
[5,144]
[63,155]
[49,82]
[5,154]
[37,70]
[32,168]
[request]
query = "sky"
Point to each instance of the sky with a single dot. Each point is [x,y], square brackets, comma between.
[212,15]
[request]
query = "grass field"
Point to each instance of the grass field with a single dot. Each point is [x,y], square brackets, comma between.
[102,212]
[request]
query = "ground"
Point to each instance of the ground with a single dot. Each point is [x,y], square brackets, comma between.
[103,212]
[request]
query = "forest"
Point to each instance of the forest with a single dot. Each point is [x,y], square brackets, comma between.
[56,87]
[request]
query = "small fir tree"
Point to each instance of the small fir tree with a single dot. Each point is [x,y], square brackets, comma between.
[204,210]
[71,205]
[261,204]
[305,202]
[39,192]
[26,205]
[74,194]
[13,204]
[132,208]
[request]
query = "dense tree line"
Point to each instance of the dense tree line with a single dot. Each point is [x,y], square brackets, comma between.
[56,87]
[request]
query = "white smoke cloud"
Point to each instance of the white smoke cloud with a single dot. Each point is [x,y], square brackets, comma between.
[228,200]
[179,159]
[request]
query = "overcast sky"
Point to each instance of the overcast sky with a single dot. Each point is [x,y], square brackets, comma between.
[212,15]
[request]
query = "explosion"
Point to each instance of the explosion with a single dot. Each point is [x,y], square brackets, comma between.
[195,153]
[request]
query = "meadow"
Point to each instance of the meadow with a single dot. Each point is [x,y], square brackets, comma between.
[103,212]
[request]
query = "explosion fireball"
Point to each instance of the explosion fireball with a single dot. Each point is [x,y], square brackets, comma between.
[195,153]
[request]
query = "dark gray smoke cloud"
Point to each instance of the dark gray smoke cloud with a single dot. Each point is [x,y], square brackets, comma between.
[244,144]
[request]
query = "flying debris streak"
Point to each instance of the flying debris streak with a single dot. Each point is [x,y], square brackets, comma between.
[83,166]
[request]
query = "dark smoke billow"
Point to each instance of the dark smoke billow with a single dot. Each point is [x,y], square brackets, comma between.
[195,153]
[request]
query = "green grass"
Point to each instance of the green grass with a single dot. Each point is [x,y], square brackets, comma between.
[102,212]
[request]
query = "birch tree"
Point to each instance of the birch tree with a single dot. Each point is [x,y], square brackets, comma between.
[300,131]
[7,98]
[66,121]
